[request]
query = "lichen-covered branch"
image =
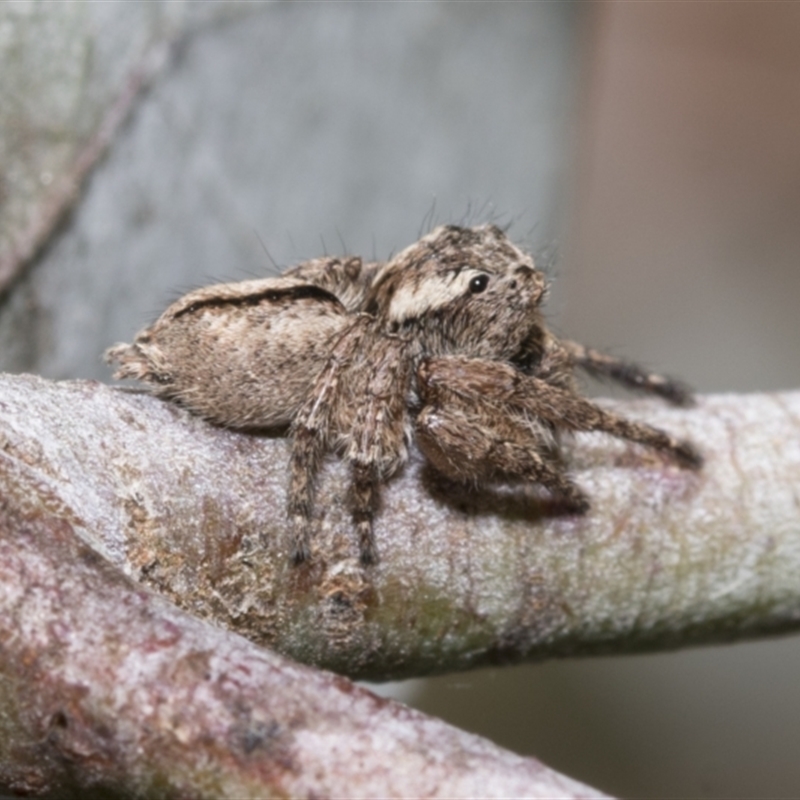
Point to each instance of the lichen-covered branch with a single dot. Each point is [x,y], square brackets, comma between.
[105,685]
[108,690]
[666,557]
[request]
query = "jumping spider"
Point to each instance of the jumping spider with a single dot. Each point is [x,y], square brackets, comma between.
[444,345]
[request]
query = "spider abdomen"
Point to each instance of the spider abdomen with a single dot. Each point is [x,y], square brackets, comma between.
[241,355]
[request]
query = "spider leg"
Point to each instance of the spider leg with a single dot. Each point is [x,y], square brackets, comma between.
[377,444]
[571,411]
[307,451]
[472,443]
[632,376]
[364,501]
[310,431]
[473,379]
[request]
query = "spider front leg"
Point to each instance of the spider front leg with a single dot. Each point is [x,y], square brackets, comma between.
[474,379]
[478,440]
[632,376]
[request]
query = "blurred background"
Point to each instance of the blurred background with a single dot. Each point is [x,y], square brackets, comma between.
[653,147]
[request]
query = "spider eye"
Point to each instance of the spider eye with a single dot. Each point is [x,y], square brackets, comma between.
[478,283]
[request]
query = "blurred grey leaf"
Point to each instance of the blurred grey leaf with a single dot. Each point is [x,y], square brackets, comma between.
[69,75]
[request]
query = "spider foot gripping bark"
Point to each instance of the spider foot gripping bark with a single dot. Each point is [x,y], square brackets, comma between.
[445,345]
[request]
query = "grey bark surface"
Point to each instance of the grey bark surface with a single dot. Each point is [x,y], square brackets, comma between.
[665,558]
[107,690]
[109,687]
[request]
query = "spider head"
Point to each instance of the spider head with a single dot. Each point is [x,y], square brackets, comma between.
[461,290]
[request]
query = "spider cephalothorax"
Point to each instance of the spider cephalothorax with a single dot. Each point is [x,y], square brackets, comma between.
[460,290]
[443,345]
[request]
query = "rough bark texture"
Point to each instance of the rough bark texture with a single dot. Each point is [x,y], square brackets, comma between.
[105,686]
[107,690]
[666,557]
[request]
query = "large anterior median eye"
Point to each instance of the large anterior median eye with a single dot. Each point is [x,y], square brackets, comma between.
[478,283]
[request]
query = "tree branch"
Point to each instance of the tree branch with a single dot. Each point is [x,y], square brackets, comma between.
[666,557]
[105,687]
